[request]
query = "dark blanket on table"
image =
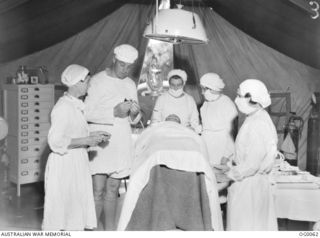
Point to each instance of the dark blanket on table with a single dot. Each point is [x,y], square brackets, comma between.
[172,200]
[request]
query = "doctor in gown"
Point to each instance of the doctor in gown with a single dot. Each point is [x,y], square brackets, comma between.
[250,198]
[112,105]
[176,101]
[217,115]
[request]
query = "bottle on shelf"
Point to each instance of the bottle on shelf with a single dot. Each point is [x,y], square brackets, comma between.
[22,75]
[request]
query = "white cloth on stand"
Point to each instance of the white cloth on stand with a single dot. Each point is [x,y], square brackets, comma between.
[288,148]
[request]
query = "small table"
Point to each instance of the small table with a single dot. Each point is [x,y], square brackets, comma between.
[298,204]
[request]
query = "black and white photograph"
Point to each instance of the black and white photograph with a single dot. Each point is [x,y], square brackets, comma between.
[159,115]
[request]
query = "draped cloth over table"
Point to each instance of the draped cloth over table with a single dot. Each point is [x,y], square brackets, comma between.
[298,204]
[177,148]
[171,200]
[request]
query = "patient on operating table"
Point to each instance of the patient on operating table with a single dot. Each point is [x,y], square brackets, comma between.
[176,147]
[220,170]
[170,135]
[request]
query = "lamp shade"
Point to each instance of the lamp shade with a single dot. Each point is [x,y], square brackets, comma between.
[176,26]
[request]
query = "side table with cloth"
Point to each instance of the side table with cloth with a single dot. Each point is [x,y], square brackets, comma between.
[179,149]
[298,204]
[297,197]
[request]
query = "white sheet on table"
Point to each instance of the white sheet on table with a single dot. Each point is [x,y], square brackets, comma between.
[178,148]
[298,204]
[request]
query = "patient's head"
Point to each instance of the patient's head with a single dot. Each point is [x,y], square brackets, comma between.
[173,117]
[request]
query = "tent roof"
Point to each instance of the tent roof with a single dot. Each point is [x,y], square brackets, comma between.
[27,26]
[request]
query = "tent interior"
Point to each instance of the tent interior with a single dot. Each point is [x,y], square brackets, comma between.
[275,41]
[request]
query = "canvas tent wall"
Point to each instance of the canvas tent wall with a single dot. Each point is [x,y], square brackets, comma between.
[230,53]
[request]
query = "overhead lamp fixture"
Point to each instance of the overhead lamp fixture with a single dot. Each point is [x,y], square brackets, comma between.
[176,26]
[311,6]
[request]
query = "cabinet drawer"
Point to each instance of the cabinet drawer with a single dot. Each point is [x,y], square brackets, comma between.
[32,141]
[27,163]
[34,112]
[36,97]
[36,105]
[30,176]
[35,127]
[32,134]
[35,89]
[31,150]
[34,118]
[26,176]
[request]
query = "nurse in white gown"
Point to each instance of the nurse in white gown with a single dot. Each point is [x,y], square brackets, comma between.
[177,102]
[69,203]
[250,199]
[217,115]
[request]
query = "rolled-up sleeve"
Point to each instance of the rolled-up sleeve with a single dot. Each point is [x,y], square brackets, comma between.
[57,138]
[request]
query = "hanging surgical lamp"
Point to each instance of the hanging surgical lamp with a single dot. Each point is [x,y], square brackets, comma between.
[176,26]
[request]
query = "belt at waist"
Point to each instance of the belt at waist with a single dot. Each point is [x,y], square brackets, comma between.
[214,130]
[99,123]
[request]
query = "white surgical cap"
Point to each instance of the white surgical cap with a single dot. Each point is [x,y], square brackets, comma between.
[178,72]
[3,128]
[212,81]
[258,91]
[73,74]
[126,53]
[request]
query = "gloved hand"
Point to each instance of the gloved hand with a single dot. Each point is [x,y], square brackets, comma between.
[122,109]
[94,140]
[105,135]
[134,108]
[234,174]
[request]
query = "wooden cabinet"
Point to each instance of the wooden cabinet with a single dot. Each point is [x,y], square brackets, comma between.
[27,110]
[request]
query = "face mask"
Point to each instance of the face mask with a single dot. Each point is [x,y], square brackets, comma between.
[176,93]
[210,96]
[243,105]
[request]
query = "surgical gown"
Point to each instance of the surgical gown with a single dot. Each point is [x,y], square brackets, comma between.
[250,201]
[217,121]
[184,107]
[69,203]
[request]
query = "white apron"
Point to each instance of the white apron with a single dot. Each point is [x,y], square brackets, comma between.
[115,158]
[104,94]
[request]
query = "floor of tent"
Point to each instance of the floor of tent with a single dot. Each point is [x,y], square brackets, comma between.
[25,213]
